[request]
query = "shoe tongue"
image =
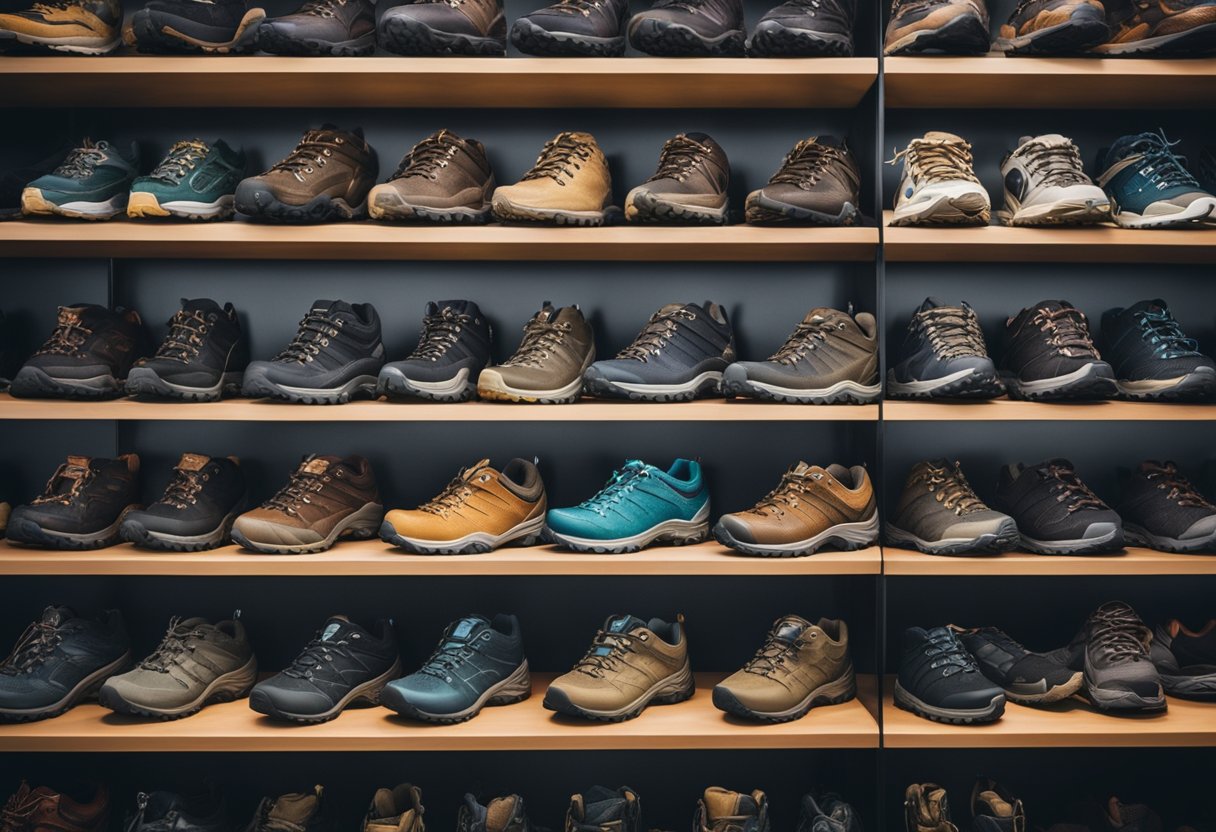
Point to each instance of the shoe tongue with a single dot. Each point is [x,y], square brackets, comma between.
[723,803]
[465,630]
[931,303]
[800,469]
[499,812]
[319,464]
[829,141]
[337,628]
[671,307]
[600,805]
[936,803]
[200,305]
[791,628]
[623,624]
[77,466]
[294,808]
[1053,305]
[434,307]
[548,312]
[193,462]
[475,469]
[820,313]
[1156,305]
[331,307]
[939,136]
[57,616]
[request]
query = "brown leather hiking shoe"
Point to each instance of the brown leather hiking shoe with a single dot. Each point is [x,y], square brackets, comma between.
[688,187]
[297,812]
[569,185]
[45,810]
[327,498]
[630,664]
[801,665]
[326,178]
[548,366]
[955,27]
[475,513]
[811,507]
[926,809]
[86,27]
[395,810]
[443,178]
[1160,27]
[445,27]
[1053,28]
[818,183]
[721,810]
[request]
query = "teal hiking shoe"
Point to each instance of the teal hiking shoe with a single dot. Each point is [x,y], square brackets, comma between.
[640,505]
[92,183]
[195,181]
[1149,186]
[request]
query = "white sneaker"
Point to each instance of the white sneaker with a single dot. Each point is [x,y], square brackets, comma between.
[939,186]
[1045,184]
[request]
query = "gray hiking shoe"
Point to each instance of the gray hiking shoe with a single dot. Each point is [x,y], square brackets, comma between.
[197,663]
[688,187]
[1113,651]
[939,514]
[557,348]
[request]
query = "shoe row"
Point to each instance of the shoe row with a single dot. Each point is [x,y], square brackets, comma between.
[90,503]
[1047,509]
[1140,182]
[1116,28]
[1115,662]
[1048,354]
[479,662]
[685,351]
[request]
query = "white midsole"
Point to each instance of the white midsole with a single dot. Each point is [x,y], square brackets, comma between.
[894,386]
[688,386]
[864,531]
[527,527]
[1053,383]
[492,380]
[453,385]
[701,518]
[353,384]
[925,202]
[839,387]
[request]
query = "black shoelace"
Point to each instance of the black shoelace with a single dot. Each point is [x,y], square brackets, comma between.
[560,157]
[948,653]
[185,338]
[34,647]
[655,335]
[424,157]
[316,654]
[447,656]
[1069,488]
[439,332]
[787,493]
[952,332]
[314,333]
[1066,331]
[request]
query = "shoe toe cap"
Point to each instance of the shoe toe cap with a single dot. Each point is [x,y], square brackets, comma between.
[737,528]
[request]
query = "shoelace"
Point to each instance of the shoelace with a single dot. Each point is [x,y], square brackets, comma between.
[1057,164]
[315,330]
[1161,330]
[951,488]
[557,157]
[1178,488]
[424,157]
[806,337]
[33,648]
[679,156]
[1066,331]
[69,335]
[540,337]
[81,161]
[1069,488]
[321,8]
[439,332]
[185,338]
[52,494]
[949,653]
[655,335]
[19,808]
[807,162]
[315,654]
[182,158]
[1160,164]
[311,150]
[951,334]
[452,497]
[787,493]
[447,656]
[583,7]
[937,161]
[773,655]
[607,650]
[183,489]
[296,491]
[621,483]
[1120,633]
[172,646]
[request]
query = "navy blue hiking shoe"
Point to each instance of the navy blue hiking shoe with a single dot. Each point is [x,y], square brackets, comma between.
[1149,185]
[944,356]
[452,350]
[1153,358]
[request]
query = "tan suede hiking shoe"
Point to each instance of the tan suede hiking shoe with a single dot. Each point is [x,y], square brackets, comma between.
[548,367]
[810,508]
[721,810]
[86,27]
[327,498]
[395,810]
[569,185]
[475,513]
[630,664]
[801,665]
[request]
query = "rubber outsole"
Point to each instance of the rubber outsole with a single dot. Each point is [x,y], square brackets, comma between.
[343,531]
[20,530]
[515,688]
[664,39]
[646,208]
[143,382]
[397,387]
[534,40]
[260,388]
[1112,542]
[392,207]
[412,37]
[951,716]
[1136,535]
[826,540]
[762,210]
[227,687]
[136,533]
[974,386]
[368,692]
[598,386]
[964,35]
[1193,387]
[1070,38]
[1057,693]
[1004,539]
[735,388]
[967,209]
[261,204]
[34,383]
[1196,41]
[159,36]
[507,211]
[389,535]
[85,688]
[275,42]
[557,700]
[725,700]
[773,40]
[694,534]
[1096,385]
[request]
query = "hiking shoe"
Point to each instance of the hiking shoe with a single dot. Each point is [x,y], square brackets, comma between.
[600,809]
[297,812]
[679,355]
[81,507]
[92,183]
[479,661]
[500,814]
[443,178]
[155,811]
[1148,184]
[805,29]
[326,178]
[395,810]
[326,499]
[1027,678]
[571,28]
[800,666]
[810,508]
[195,181]
[1153,358]
[1056,512]
[345,28]
[689,186]
[343,664]
[445,27]
[939,513]
[938,185]
[1049,354]
[1181,28]
[335,355]
[477,512]
[995,809]
[831,357]
[639,506]
[944,356]
[31,810]
[13,181]
[58,661]
[1053,28]
[84,27]
[721,810]
[953,27]
[818,183]
[939,680]
[196,663]
[1113,815]
[185,26]
[569,185]
[630,664]
[827,813]
[197,509]
[202,358]
[452,350]
[1112,648]
[87,356]
[1046,184]
[676,28]
[1186,659]
[1163,511]
[926,809]
[548,365]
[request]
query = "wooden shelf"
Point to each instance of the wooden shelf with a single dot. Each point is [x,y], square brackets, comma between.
[1071,724]
[1007,410]
[373,241]
[995,81]
[526,726]
[266,81]
[377,558]
[1133,561]
[996,243]
[588,410]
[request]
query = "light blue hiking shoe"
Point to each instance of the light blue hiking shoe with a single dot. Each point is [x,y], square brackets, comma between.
[640,505]
[1149,186]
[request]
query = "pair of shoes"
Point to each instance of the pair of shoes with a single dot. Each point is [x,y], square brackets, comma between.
[993,808]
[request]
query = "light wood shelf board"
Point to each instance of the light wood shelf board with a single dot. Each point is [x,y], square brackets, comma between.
[1133,561]
[1002,410]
